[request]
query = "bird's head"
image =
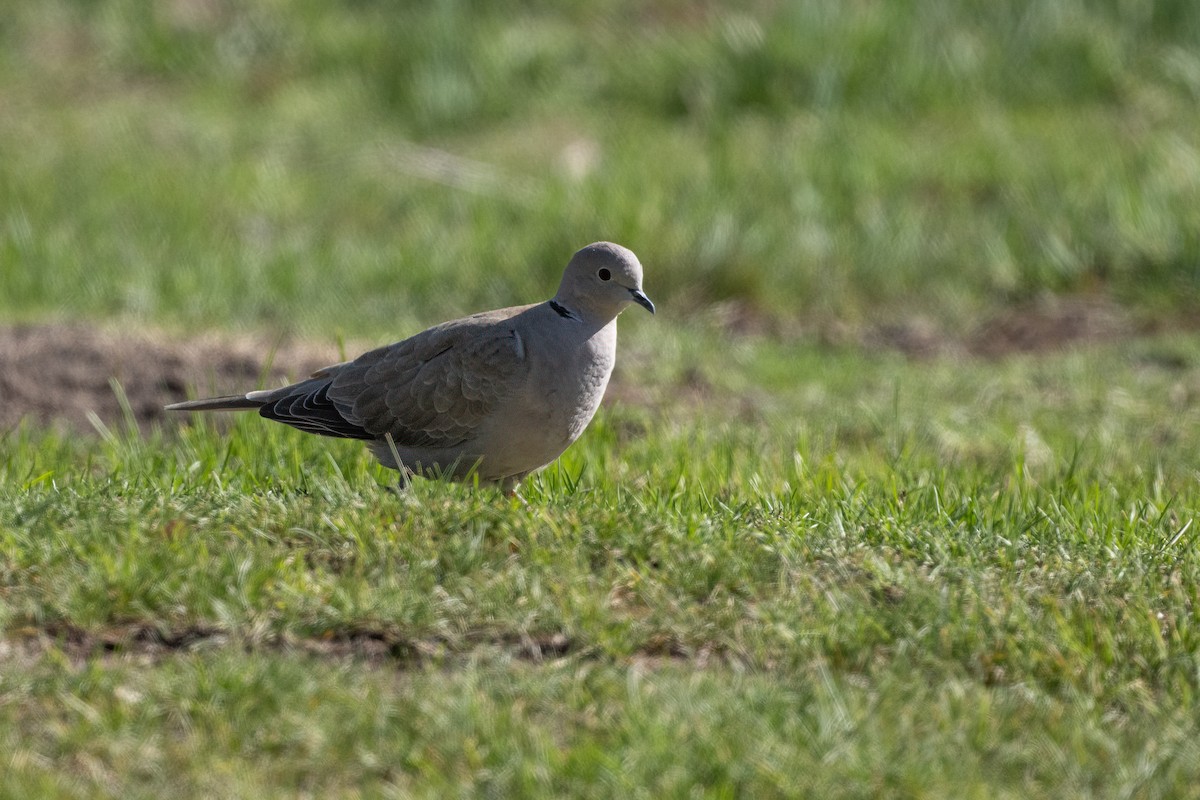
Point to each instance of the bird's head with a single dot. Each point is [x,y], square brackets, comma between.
[601,280]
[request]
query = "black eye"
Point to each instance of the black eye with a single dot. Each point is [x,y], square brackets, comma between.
[604,274]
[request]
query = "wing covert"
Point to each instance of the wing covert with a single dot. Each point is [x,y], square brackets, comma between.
[434,389]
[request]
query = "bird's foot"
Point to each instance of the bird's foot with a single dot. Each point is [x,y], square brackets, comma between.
[511,489]
[400,487]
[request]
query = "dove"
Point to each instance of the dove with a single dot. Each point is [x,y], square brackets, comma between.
[494,396]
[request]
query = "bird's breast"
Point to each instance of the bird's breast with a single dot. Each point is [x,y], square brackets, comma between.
[564,388]
[582,378]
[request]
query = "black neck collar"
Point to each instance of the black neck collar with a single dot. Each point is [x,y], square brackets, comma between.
[562,310]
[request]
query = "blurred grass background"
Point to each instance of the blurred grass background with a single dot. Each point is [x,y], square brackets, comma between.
[773,568]
[364,166]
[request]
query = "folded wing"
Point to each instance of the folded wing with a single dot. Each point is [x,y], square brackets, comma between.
[432,390]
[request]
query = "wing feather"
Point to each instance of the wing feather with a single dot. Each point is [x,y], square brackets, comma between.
[430,390]
[306,406]
[434,389]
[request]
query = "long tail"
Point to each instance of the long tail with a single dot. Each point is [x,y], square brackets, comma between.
[305,405]
[232,402]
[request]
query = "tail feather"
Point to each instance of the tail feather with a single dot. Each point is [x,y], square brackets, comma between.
[232,402]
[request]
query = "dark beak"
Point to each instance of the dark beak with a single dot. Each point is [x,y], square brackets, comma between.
[640,298]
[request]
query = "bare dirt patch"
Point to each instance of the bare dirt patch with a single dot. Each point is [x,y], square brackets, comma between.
[379,646]
[59,374]
[1051,323]
[1044,325]
[65,374]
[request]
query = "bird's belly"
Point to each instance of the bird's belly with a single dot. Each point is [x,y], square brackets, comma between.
[533,440]
[540,425]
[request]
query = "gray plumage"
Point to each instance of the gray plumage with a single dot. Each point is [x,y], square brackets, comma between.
[497,395]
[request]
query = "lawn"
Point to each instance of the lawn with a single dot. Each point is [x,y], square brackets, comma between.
[896,495]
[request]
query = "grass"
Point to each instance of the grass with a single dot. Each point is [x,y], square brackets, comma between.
[298,166]
[776,566]
[895,577]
